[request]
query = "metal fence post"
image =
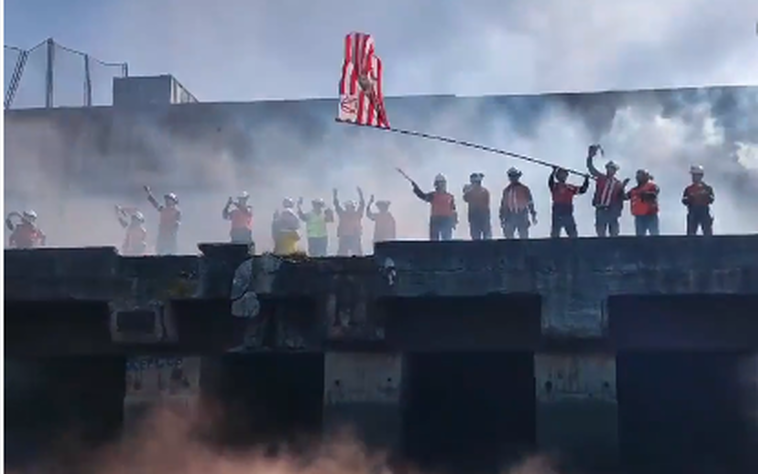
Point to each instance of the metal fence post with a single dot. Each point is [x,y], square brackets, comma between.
[49,77]
[87,82]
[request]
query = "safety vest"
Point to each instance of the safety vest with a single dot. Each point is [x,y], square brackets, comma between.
[698,194]
[443,204]
[516,198]
[640,207]
[241,219]
[134,243]
[25,236]
[315,225]
[350,224]
[607,192]
[169,219]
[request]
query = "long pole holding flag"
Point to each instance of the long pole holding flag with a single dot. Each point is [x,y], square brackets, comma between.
[454,141]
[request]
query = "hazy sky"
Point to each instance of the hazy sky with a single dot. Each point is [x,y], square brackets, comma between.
[241,50]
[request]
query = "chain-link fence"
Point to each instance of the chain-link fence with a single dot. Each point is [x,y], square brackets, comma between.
[51,75]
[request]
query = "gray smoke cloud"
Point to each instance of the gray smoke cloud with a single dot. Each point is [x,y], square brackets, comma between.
[288,49]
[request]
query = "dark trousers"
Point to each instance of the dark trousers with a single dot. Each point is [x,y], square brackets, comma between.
[317,246]
[516,223]
[646,225]
[441,228]
[241,236]
[562,220]
[480,225]
[699,217]
[607,221]
[166,244]
[349,246]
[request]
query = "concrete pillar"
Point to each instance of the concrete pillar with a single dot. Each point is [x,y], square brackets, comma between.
[364,392]
[152,382]
[577,408]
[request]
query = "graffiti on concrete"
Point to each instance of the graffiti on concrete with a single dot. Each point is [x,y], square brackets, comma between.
[161,376]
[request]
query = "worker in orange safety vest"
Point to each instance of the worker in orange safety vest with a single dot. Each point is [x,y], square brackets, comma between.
[644,204]
[444,215]
[241,218]
[135,240]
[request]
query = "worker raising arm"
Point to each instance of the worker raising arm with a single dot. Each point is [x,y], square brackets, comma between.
[444,216]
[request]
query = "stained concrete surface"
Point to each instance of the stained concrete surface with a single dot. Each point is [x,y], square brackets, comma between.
[472,412]
[439,323]
[687,411]
[50,402]
[268,398]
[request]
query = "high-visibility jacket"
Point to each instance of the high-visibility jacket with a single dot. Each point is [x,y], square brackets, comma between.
[698,195]
[647,207]
[350,224]
[135,240]
[607,192]
[443,204]
[315,225]
[241,218]
[169,221]
[25,236]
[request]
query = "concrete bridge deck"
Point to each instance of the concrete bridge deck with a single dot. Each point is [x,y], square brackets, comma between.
[589,347]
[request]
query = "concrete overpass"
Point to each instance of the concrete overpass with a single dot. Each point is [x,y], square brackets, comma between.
[630,351]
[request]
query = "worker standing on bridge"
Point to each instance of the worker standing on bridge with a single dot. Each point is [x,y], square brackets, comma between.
[350,226]
[25,234]
[478,199]
[698,198]
[316,221]
[563,202]
[384,221]
[170,220]
[644,204]
[516,206]
[444,215]
[609,195]
[284,229]
[241,217]
[135,241]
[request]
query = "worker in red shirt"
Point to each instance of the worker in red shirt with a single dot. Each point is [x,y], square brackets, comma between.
[516,206]
[135,240]
[168,225]
[644,204]
[384,221]
[609,195]
[563,202]
[478,199]
[25,234]
[698,198]
[444,215]
[241,218]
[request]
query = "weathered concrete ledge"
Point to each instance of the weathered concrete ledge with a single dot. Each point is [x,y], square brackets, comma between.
[355,299]
[564,312]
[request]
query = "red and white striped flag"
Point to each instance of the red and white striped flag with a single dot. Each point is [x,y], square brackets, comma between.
[361,96]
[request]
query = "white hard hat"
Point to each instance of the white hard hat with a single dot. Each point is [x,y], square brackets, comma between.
[696,169]
[288,202]
[243,195]
[440,178]
[138,215]
[30,214]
